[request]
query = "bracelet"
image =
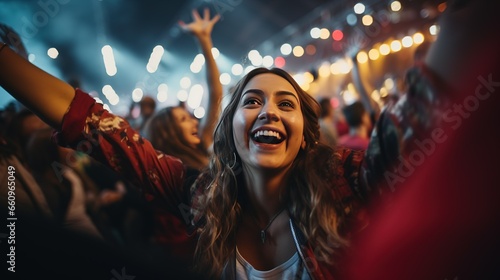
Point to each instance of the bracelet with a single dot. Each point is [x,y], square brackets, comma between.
[3,46]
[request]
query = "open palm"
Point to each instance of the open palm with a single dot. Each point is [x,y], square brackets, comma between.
[200,26]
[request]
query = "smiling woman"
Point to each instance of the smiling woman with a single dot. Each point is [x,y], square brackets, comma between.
[261,170]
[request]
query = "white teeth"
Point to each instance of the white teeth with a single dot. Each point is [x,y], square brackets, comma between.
[267,133]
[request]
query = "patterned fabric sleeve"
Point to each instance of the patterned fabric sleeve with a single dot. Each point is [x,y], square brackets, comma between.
[89,128]
[348,186]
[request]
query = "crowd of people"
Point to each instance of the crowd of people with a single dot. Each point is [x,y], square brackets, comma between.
[267,187]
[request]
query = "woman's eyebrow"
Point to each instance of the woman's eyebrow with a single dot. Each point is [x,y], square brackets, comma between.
[286,93]
[253,90]
[278,93]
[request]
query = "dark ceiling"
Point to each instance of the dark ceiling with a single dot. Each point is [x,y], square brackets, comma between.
[79,29]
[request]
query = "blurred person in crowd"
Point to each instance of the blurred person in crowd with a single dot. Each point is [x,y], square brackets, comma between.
[421,53]
[22,125]
[359,127]
[65,189]
[174,130]
[147,108]
[327,128]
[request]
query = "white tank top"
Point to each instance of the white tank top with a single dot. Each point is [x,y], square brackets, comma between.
[292,269]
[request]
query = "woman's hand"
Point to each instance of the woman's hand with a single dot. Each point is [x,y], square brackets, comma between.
[12,39]
[42,93]
[200,27]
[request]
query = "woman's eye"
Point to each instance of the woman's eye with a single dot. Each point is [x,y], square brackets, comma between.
[251,101]
[287,104]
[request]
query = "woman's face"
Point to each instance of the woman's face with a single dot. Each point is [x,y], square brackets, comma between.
[268,123]
[188,126]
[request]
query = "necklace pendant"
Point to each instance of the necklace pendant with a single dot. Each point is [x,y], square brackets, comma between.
[263,236]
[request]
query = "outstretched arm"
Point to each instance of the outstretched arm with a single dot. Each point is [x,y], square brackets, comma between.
[44,94]
[86,126]
[201,28]
[370,105]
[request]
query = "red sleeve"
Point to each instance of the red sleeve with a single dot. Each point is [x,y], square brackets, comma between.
[89,128]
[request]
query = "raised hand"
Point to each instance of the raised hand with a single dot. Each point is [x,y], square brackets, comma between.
[200,27]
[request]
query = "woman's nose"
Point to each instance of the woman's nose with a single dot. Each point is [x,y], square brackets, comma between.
[268,113]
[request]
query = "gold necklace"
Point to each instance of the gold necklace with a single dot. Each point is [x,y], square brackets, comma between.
[263,231]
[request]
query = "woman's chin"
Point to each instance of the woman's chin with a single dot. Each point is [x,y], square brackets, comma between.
[194,142]
[268,163]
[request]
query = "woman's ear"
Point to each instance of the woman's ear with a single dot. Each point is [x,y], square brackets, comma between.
[304,143]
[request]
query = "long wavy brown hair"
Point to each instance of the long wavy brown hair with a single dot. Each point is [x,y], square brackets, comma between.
[165,135]
[311,197]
